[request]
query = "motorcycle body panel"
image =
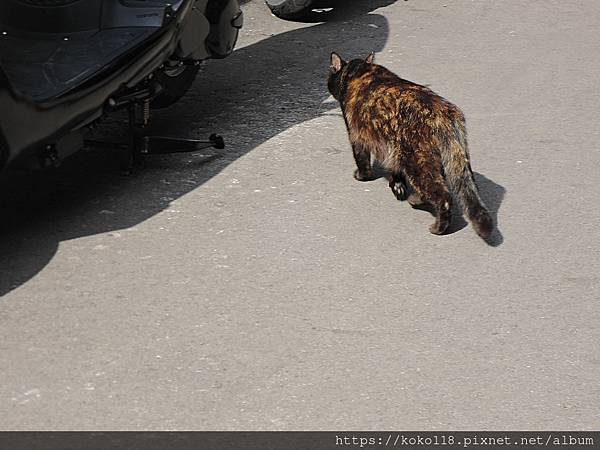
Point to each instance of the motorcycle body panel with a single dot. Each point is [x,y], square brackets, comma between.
[81,69]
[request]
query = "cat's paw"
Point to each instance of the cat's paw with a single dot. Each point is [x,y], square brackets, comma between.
[438,228]
[399,190]
[364,176]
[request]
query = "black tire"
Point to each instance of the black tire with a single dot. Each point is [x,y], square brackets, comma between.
[291,9]
[175,83]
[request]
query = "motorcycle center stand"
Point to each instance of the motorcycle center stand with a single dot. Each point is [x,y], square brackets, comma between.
[141,143]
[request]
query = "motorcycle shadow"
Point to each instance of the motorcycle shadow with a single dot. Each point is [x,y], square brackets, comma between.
[258,92]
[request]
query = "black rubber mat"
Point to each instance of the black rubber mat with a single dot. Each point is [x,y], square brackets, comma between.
[45,68]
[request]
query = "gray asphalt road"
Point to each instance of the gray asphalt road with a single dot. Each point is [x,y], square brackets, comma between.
[264,288]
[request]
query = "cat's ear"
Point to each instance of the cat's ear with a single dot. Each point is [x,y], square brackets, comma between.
[336,63]
[369,59]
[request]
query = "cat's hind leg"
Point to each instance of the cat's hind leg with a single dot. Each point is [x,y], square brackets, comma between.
[362,156]
[430,188]
[402,192]
[398,185]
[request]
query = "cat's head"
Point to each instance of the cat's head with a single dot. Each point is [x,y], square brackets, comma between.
[338,67]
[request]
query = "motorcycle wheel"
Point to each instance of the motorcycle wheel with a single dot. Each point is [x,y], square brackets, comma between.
[175,82]
[291,9]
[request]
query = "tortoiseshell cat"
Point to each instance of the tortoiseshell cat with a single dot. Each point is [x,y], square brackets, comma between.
[415,134]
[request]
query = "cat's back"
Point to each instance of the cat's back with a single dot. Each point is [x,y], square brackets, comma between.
[376,88]
[371,79]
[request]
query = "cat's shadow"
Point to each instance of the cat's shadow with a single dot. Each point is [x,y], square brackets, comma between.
[492,195]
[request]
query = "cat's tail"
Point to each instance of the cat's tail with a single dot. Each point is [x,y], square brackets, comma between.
[457,168]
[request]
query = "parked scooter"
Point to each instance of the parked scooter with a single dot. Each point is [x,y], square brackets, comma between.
[64,64]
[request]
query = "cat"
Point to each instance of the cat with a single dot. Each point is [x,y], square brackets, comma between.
[413,133]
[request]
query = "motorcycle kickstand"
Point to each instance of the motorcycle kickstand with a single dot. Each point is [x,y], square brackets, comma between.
[131,154]
[140,143]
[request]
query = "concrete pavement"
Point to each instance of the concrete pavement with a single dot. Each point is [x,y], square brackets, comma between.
[262,288]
